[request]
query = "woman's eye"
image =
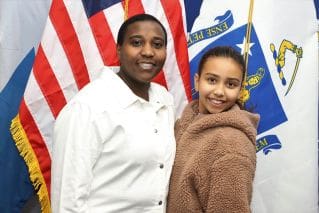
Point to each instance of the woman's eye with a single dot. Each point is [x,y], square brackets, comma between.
[158,45]
[136,43]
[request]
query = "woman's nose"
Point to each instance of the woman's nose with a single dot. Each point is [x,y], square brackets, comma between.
[147,50]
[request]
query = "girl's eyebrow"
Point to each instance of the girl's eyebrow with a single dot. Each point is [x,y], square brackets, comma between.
[211,75]
[214,75]
[234,79]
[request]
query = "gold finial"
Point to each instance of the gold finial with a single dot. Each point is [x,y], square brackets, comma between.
[126,9]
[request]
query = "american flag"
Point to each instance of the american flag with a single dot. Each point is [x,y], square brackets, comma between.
[78,40]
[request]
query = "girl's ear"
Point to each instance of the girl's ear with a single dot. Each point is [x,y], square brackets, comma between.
[196,81]
[240,93]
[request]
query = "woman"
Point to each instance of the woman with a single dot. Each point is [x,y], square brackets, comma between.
[114,141]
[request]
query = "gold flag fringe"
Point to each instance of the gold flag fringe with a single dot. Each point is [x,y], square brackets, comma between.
[22,143]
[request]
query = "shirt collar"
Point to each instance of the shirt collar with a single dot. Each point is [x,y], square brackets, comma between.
[125,96]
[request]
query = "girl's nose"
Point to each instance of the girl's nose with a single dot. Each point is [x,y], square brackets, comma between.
[219,90]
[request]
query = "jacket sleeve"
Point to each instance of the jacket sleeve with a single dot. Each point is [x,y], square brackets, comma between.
[75,150]
[231,180]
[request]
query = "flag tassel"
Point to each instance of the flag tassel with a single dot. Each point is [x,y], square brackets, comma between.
[26,152]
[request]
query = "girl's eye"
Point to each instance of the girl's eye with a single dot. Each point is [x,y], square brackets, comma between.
[232,84]
[211,80]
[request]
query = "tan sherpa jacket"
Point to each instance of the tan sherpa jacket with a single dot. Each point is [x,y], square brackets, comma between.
[215,161]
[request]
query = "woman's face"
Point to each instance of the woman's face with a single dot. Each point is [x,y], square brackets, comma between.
[143,52]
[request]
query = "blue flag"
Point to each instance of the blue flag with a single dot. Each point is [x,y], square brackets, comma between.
[20,34]
[15,184]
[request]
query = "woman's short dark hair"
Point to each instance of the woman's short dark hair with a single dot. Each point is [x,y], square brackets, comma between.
[136,18]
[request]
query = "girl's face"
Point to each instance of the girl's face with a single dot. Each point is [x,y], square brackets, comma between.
[143,52]
[218,85]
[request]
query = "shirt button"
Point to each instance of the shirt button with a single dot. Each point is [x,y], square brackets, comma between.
[155,130]
[161,166]
[160,203]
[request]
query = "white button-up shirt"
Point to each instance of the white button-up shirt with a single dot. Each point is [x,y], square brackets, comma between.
[113,151]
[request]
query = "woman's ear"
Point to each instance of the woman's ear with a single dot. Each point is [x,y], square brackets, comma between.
[196,81]
[118,50]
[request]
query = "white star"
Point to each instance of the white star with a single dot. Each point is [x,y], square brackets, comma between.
[242,46]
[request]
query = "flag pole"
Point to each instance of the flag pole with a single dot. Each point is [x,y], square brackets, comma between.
[244,96]
[126,9]
[248,33]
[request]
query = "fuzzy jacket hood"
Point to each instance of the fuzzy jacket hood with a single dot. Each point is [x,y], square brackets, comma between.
[193,122]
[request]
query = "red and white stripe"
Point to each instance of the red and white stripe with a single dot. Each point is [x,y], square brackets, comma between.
[74,49]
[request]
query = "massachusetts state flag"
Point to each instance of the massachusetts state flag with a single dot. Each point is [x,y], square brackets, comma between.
[78,40]
[281,85]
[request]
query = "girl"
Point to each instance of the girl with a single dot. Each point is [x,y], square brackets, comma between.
[215,156]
